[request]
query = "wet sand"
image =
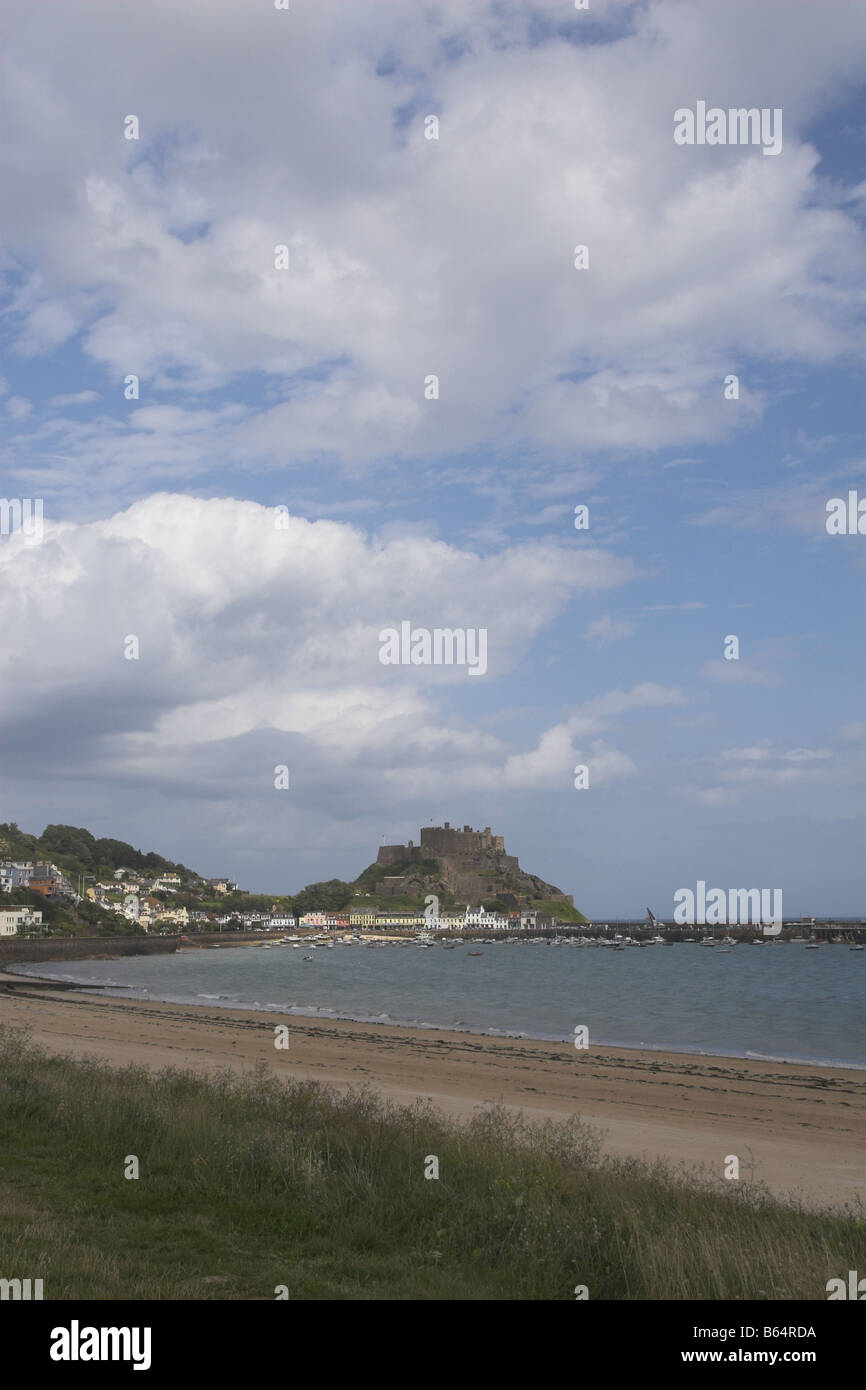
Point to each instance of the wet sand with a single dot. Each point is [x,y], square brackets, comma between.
[797,1127]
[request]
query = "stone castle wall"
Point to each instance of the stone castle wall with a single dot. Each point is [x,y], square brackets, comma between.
[467,843]
[393,854]
[474,864]
[457,846]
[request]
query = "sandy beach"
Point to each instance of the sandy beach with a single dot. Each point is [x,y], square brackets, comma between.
[798,1128]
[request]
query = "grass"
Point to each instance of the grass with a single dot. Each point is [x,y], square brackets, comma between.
[560,910]
[248,1182]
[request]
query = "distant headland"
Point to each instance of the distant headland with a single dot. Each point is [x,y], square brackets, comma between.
[466,864]
[70,882]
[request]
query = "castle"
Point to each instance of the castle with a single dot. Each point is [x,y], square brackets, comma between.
[472,866]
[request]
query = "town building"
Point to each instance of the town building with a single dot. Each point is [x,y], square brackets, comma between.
[15,874]
[478,919]
[314,919]
[222,885]
[404,920]
[174,916]
[19,919]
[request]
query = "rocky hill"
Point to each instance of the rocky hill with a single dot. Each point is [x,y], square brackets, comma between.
[465,865]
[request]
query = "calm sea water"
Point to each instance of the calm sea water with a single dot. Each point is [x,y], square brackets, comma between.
[776,1001]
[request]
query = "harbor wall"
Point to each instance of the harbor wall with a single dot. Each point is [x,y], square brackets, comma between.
[18,950]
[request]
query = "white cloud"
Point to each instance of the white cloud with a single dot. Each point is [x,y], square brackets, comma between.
[607,629]
[75,398]
[749,755]
[800,505]
[770,769]
[711,797]
[806,755]
[673,607]
[551,763]
[744,671]
[243,627]
[411,257]
[260,646]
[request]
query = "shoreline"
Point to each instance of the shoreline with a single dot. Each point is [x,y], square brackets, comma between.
[796,1126]
[7,977]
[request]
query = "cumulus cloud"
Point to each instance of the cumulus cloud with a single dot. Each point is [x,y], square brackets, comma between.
[559,748]
[408,258]
[244,624]
[411,257]
[259,646]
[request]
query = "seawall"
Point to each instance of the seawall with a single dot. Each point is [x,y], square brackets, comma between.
[34,949]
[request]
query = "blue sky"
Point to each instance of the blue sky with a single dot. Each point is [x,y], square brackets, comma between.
[305,388]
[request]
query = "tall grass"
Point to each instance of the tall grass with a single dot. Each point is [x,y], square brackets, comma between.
[248,1182]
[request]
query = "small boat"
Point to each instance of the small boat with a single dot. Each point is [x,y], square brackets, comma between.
[475,953]
[812,945]
[308,957]
[855,948]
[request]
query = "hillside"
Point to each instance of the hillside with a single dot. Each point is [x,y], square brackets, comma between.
[463,866]
[66,918]
[458,867]
[76,851]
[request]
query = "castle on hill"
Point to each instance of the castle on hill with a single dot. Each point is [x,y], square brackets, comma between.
[472,866]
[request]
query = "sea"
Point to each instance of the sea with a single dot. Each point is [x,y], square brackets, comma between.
[777,1002]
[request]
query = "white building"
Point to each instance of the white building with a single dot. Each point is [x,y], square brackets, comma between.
[471,919]
[15,875]
[477,919]
[25,917]
[131,907]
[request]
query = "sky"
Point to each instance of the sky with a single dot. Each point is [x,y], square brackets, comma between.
[301,363]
